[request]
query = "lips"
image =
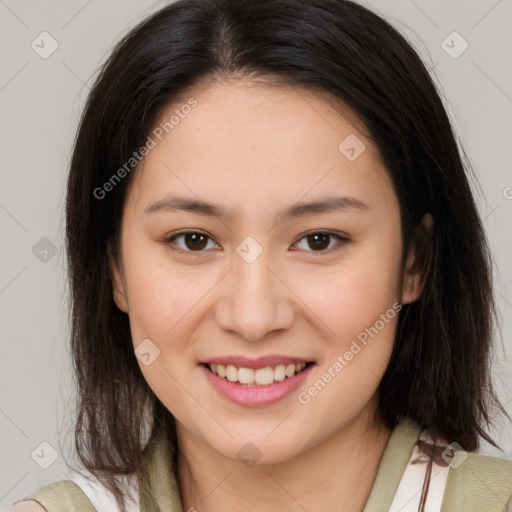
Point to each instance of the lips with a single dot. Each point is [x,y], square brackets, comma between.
[256,394]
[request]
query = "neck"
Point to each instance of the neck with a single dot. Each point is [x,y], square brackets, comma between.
[339,469]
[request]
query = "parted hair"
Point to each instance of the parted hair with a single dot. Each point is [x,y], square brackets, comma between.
[439,371]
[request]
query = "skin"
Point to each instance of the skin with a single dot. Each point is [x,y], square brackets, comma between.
[255,150]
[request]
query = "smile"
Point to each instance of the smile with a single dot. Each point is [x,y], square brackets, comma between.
[259,377]
[256,387]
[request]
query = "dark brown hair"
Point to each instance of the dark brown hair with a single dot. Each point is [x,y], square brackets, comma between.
[439,370]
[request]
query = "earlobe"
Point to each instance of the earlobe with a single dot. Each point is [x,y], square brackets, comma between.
[417,264]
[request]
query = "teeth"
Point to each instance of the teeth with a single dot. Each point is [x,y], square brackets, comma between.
[260,377]
[264,376]
[280,372]
[290,370]
[231,373]
[246,376]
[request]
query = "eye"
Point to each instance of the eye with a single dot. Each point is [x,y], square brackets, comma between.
[194,241]
[320,240]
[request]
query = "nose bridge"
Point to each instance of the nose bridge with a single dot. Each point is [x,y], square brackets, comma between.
[255,302]
[252,277]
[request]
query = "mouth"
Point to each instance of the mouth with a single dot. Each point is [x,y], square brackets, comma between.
[257,377]
[260,386]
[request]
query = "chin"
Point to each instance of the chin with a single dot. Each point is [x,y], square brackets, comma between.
[258,449]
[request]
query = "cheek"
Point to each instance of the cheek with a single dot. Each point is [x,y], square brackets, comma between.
[162,297]
[353,294]
[163,309]
[360,308]
[160,305]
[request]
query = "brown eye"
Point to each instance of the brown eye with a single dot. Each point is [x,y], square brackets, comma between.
[193,241]
[320,241]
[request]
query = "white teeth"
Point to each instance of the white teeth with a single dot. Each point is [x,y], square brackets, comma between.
[260,377]
[220,370]
[264,376]
[290,370]
[231,373]
[246,376]
[279,372]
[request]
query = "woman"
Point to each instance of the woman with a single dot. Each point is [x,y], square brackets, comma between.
[281,286]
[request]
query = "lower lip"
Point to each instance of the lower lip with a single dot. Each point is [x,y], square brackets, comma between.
[254,396]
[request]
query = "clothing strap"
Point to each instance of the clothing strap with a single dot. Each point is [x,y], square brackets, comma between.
[408,497]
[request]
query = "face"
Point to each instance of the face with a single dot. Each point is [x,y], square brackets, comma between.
[249,286]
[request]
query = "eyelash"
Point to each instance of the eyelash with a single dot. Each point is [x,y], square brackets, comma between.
[342,241]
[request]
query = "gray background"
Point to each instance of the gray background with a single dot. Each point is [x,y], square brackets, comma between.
[41,100]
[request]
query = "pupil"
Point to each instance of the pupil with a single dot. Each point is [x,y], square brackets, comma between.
[313,240]
[196,237]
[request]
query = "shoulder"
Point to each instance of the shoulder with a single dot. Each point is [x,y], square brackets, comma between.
[79,494]
[481,480]
[26,506]
[459,480]
[493,471]
[61,496]
[102,498]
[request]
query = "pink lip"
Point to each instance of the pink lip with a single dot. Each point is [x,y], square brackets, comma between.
[254,396]
[260,362]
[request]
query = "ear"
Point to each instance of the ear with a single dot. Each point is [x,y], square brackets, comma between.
[418,261]
[118,282]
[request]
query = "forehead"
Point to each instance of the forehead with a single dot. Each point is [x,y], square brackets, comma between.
[250,142]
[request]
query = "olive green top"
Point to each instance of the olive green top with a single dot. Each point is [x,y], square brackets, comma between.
[479,484]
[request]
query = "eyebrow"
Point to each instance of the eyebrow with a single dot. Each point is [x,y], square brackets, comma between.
[199,207]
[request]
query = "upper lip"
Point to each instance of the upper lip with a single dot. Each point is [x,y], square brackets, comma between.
[260,362]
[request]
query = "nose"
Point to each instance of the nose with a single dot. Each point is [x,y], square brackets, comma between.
[255,300]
